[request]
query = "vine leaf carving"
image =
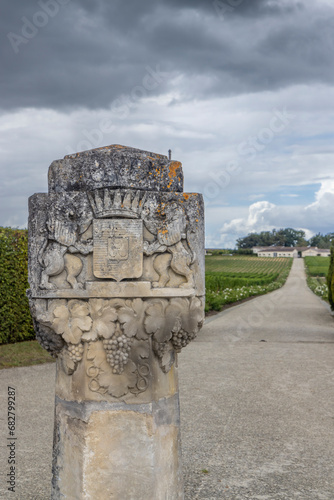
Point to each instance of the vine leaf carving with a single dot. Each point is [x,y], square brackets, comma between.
[116,385]
[155,318]
[44,314]
[72,321]
[196,316]
[120,334]
[167,359]
[141,349]
[103,317]
[131,316]
[161,319]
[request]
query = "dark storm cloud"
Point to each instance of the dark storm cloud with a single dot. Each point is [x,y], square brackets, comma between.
[89,53]
[238,7]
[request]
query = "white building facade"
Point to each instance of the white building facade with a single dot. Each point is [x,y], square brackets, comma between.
[274,252]
[292,252]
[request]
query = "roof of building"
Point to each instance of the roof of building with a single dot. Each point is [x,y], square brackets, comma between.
[273,248]
[278,249]
[318,250]
[289,249]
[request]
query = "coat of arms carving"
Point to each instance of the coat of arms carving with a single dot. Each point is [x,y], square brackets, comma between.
[118,248]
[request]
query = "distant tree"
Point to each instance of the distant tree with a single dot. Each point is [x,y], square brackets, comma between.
[282,237]
[315,240]
[243,251]
[292,237]
[321,240]
[302,242]
[252,240]
[287,237]
[278,237]
[266,238]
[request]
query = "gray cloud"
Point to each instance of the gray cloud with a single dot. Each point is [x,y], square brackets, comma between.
[243,8]
[90,53]
[224,74]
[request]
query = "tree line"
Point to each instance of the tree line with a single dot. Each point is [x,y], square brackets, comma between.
[287,237]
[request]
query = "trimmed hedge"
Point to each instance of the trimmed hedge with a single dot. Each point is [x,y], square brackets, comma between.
[330,279]
[15,319]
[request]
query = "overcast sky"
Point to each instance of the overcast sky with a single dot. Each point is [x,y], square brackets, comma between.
[240,90]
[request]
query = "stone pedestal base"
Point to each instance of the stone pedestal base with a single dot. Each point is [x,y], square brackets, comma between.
[117,451]
[116,273]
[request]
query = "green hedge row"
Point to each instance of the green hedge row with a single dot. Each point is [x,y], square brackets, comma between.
[15,319]
[330,279]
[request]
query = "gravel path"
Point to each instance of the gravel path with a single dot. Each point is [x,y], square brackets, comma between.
[257,400]
[257,407]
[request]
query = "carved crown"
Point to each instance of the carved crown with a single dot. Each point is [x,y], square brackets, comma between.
[116,203]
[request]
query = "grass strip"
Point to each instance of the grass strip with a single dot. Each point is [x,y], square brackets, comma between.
[26,353]
[316,271]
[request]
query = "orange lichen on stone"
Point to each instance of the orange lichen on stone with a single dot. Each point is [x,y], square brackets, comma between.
[173,169]
[153,160]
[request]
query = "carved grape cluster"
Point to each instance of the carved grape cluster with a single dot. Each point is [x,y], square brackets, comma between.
[160,348]
[48,339]
[75,352]
[181,339]
[117,349]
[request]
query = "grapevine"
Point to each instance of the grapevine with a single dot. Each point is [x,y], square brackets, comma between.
[117,349]
[75,352]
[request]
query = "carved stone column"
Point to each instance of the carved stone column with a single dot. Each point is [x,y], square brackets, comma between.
[116,272]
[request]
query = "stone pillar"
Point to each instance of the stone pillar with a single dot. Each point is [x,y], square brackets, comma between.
[116,273]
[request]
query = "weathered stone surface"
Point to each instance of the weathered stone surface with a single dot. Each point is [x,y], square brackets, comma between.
[115,166]
[138,458]
[114,337]
[63,252]
[116,273]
